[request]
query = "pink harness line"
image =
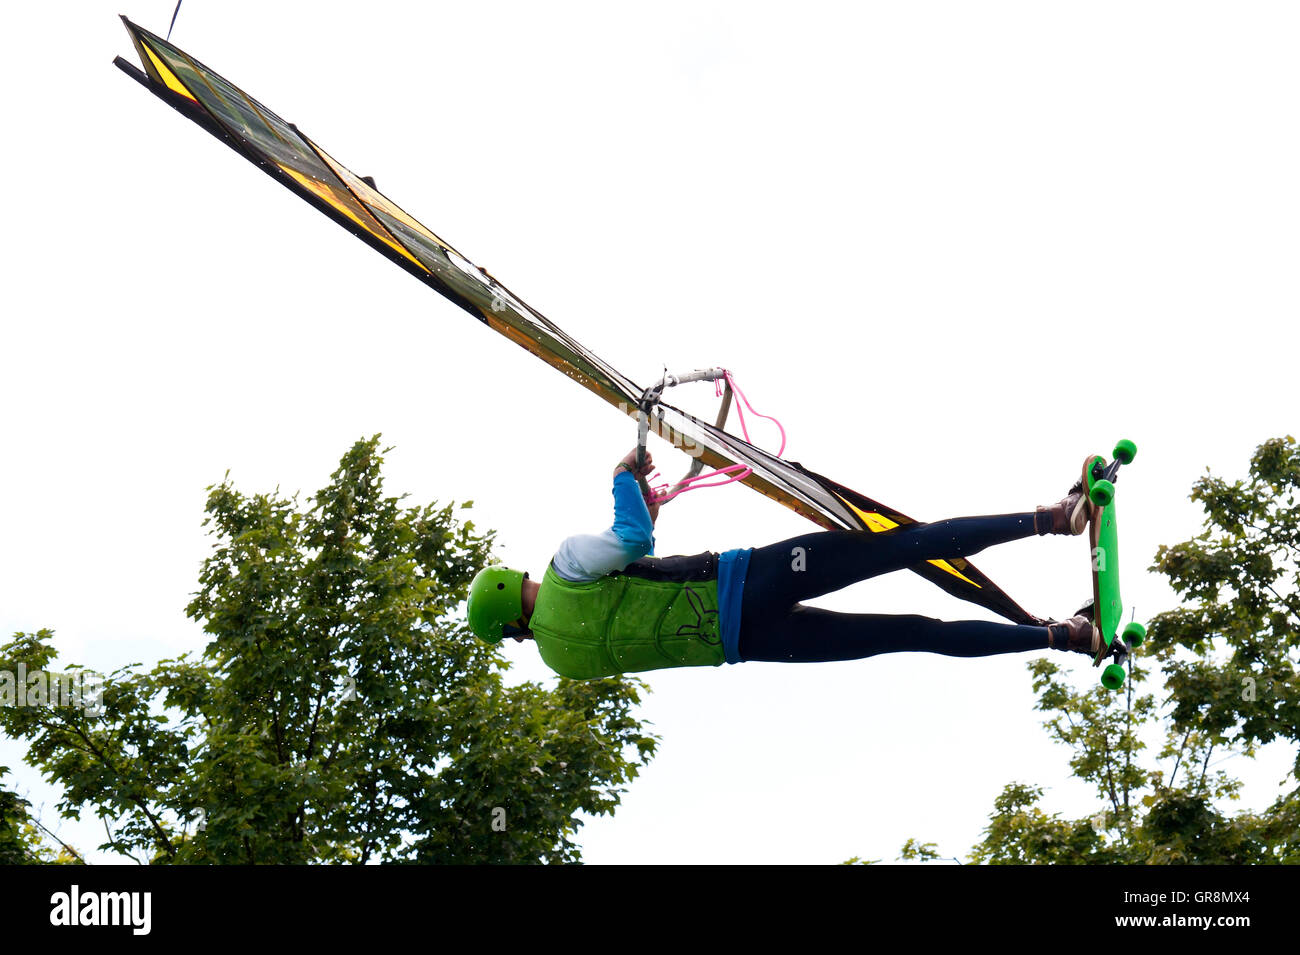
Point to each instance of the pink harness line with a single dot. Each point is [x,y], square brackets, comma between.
[732,472]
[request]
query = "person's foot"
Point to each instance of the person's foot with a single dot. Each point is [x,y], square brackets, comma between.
[1076,634]
[1070,515]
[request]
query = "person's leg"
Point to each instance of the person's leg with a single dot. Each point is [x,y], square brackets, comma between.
[775,626]
[813,635]
[811,565]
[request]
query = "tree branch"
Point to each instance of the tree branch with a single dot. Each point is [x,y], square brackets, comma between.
[1173,773]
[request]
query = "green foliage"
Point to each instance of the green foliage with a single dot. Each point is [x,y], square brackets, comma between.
[23,840]
[341,711]
[914,851]
[1020,833]
[1240,579]
[20,842]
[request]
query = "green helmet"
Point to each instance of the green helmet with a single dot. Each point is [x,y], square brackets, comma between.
[496,603]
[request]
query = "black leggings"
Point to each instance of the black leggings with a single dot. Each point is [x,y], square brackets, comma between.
[775,626]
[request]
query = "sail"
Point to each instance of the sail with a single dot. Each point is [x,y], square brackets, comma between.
[282,151]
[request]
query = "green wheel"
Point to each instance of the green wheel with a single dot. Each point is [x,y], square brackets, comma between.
[1125,451]
[1103,492]
[1112,678]
[1134,634]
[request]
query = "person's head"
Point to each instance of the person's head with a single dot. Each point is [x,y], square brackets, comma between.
[496,604]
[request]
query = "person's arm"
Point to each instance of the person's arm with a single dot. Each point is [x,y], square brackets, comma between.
[586,557]
[628,464]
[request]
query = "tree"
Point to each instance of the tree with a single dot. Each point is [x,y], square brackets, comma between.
[1236,680]
[341,711]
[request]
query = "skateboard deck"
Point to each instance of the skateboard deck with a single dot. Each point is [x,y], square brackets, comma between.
[1099,478]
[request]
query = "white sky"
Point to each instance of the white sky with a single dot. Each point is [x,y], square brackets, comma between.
[954,247]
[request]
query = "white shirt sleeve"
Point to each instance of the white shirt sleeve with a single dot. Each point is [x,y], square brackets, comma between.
[586,557]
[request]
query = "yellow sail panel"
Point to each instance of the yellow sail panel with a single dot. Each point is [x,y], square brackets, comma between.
[167,76]
[323,191]
[944,565]
[879,522]
[874,521]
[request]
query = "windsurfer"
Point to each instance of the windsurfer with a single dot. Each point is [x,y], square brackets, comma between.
[605,606]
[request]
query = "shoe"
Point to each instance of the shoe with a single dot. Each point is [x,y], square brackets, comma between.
[1071,514]
[1076,634]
